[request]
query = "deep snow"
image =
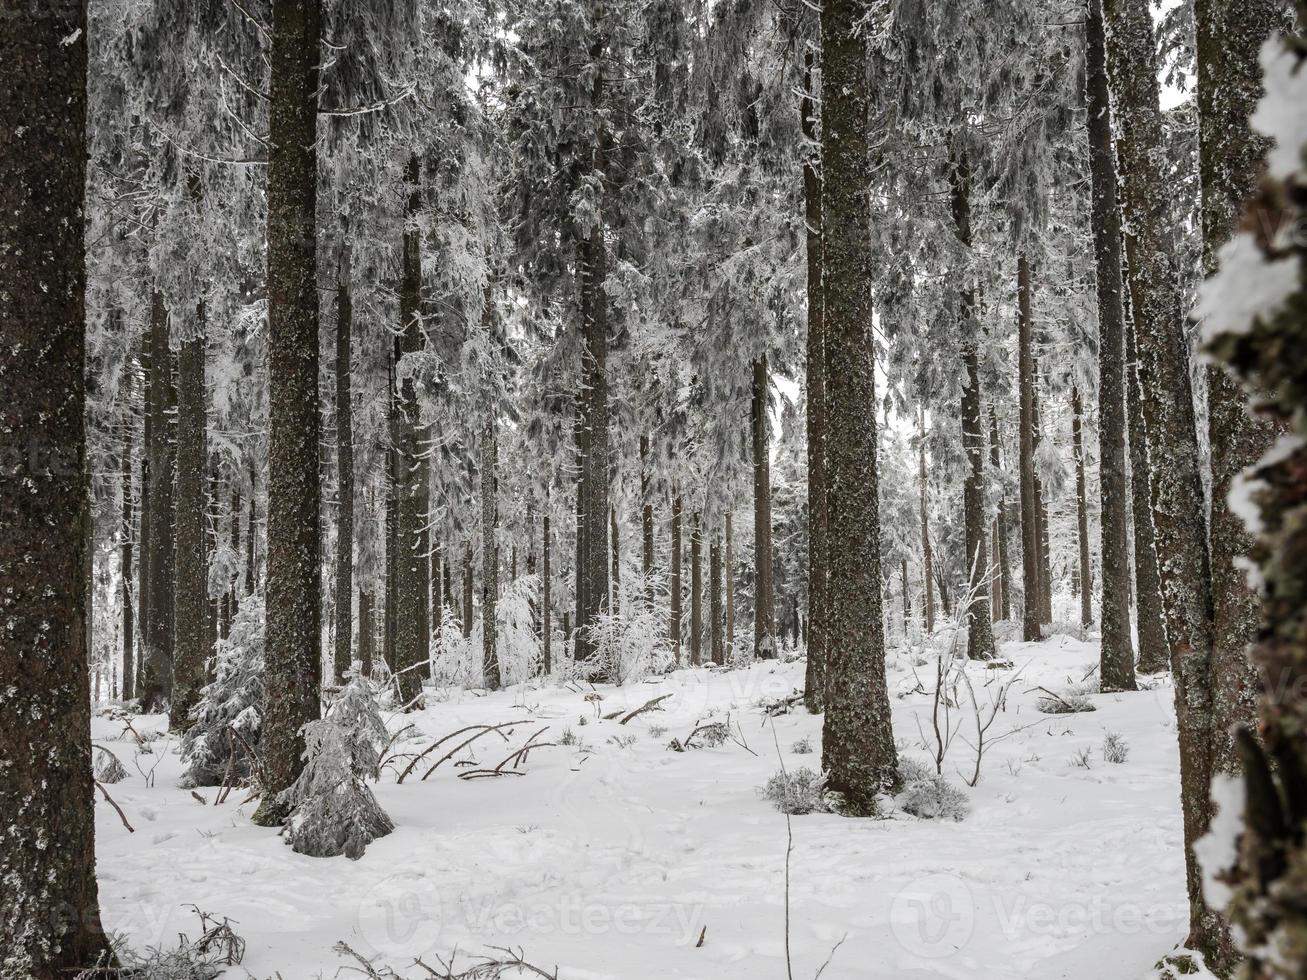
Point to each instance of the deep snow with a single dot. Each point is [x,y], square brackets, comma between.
[610,857]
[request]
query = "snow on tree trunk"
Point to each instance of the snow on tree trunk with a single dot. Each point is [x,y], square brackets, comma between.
[674,627]
[696,589]
[1030,574]
[191,589]
[1177,491]
[294,663]
[50,920]
[857,741]
[344,473]
[489,551]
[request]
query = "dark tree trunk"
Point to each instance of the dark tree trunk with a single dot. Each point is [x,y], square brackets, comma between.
[489,552]
[1116,666]
[367,633]
[1041,518]
[125,565]
[546,582]
[646,523]
[293,642]
[715,599]
[927,558]
[818,589]
[50,923]
[675,627]
[145,550]
[857,740]
[344,473]
[1030,574]
[437,593]
[764,601]
[467,591]
[1085,576]
[1178,518]
[729,572]
[156,666]
[190,595]
[907,599]
[696,590]
[251,531]
[1230,156]
[616,578]
[1004,592]
[980,630]
[233,594]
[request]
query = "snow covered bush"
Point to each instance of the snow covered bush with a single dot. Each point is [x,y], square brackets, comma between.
[232,701]
[628,645]
[332,809]
[799,792]
[802,746]
[1115,749]
[1064,704]
[518,646]
[107,767]
[934,798]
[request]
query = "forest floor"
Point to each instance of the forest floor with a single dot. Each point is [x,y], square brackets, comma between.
[615,857]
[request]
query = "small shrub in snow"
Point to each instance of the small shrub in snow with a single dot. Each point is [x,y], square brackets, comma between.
[627,646]
[568,737]
[657,731]
[233,700]
[1115,749]
[202,959]
[107,767]
[798,792]
[1064,704]
[1080,760]
[911,770]
[935,798]
[332,810]
[802,746]
[707,736]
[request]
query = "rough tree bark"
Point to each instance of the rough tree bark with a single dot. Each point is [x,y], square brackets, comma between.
[489,551]
[857,740]
[1004,592]
[50,919]
[1085,576]
[293,641]
[927,558]
[344,470]
[696,590]
[674,627]
[764,608]
[1030,574]
[1116,662]
[190,594]
[156,665]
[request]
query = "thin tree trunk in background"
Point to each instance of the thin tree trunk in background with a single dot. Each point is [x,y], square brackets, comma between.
[730,590]
[344,653]
[696,590]
[392,511]
[1082,513]
[818,611]
[125,564]
[1116,662]
[546,607]
[715,599]
[1041,517]
[1004,591]
[367,633]
[467,590]
[907,601]
[156,665]
[50,926]
[857,738]
[646,523]
[927,559]
[190,594]
[1031,605]
[489,551]
[764,610]
[251,539]
[145,519]
[437,594]
[674,629]
[294,613]
[616,578]
[1231,158]
[1179,520]
[980,630]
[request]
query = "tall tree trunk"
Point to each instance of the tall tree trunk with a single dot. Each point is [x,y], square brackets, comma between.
[546,602]
[980,630]
[730,590]
[907,599]
[1030,574]
[674,629]
[616,578]
[1041,518]
[592,568]
[156,667]
[437,593]
[251,531]
[927,558]
[646,523]
[125,565]
[392,511]
[489,551]
[1004,591]
[815,366]
[367,633]
[1082,513]
[1179,521]
[234,593]
[411,599]
[294,613]
[857,740]
[1230,158]
[715,599]
[50,923]
[344,471]
[145,550]
[696,590]
[467,590]
[190,594]
[1116,665]
[764,611]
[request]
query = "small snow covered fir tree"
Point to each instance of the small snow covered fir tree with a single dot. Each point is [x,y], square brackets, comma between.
[227,721]
[332,811]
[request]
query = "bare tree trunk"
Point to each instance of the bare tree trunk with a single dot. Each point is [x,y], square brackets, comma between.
[489,551]
[1082,513]
[367,633]
[1116,663]
[156,666]
[1004,591]
[696,590]
[388,636]
[251,531]
[467,591]
[190,594]
[1031,604]
[647,523]
[927,559]
[818,588]
[50,926]
[715,599]
[857,739]
[1041,520]
[344,471]
[125,565]
[616,578]
[546,602]
[674,629]
[293,657]
[764,611]
[730,590]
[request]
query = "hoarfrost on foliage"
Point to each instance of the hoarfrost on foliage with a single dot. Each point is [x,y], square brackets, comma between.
[1280,114]
[1247,287]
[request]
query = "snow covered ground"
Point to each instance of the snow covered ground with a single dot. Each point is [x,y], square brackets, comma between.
[611,857]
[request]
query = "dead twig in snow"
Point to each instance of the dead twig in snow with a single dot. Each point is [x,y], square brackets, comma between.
[110,800]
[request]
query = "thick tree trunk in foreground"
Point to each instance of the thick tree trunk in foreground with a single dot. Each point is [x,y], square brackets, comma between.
[344,474]
[50,917]
[1116,662]
[674,628]
[1230,157]
[696,590]
[980,630]
[764,608]
[1086,576]
[818,611]
[1179,521]
[293,657]
[190,595]
[857,741]
[1030,574]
